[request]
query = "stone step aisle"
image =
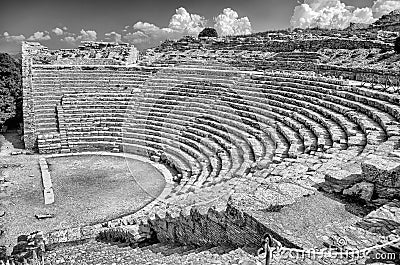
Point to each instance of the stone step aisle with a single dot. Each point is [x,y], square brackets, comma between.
[63,132]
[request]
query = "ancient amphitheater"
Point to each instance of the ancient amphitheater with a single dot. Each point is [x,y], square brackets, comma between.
[254,138]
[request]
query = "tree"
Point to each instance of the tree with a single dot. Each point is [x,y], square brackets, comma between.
[10,89]
[397,45]
[208,33]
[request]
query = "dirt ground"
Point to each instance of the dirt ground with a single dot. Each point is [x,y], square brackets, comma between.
[87,189]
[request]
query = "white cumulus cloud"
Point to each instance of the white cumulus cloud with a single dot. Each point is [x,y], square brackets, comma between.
[335,14]
[146,27]
[84,35]
[58,31]
[383,7]
[137,37]
[11,38]
[186,23]
[229,23]
[69,39]
[114,36]
[88,35]
[183,23]
[40,36]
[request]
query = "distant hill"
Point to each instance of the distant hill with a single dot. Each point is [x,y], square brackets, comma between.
[389,22]
[356,26]
[10,89]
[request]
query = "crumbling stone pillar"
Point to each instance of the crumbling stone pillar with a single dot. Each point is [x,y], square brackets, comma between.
[29,50]
[28,114]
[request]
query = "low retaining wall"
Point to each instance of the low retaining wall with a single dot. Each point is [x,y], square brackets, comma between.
[229,227]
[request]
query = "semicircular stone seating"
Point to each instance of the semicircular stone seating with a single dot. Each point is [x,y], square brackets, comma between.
[196,118]
[209,122]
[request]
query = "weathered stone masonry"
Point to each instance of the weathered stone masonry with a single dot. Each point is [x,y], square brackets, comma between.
[29,132]
[48,77]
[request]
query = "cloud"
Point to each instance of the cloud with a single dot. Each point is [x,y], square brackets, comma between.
[229,23]
[88,35]
[40,36]
[186,23]
[383,7]
[114,36]
[145,34]
[145,27]
[362,15]
[183,23]
[335,14]
[137,37]
[85,35]
[70,40]
[58,31]
[9,38]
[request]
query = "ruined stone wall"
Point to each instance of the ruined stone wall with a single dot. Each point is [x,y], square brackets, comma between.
[48,76]
[359,74]
[290,61]
[277,45]
[50,83]
[29,50]
[229,227]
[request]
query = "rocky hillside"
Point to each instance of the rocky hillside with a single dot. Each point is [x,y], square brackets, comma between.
[363,58]
[10,89]
[389,22]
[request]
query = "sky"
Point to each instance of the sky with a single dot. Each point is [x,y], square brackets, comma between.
[64,24]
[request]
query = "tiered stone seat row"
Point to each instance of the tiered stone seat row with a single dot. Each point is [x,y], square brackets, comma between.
[311,115]
[213,147]
[368,101]
[51,85]
[93,119]
[245,120]
[150,106]
[158,103]
[213,125]
[296,56]
[227,97]
[192,90]
[370,120]
[315,78]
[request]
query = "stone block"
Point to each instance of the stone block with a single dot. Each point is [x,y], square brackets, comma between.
[390,211]
[382,170]
[387,192]
[48,196]
[363,190]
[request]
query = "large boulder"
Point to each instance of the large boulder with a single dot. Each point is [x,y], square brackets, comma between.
[390,211]
[382,170]
[387,192]
[346,176]
[363,190]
